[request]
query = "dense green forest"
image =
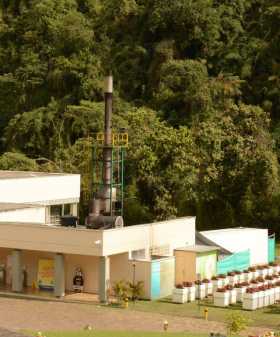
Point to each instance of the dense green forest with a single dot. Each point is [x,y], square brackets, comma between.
[197,85]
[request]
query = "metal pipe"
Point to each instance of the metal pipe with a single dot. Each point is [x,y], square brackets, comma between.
[107,150]
[101,211]
[108,96]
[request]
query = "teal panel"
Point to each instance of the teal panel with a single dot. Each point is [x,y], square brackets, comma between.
[155,280]
[225,265]
[271,249]
[236,261]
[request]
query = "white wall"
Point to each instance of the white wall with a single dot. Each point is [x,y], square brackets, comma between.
[31,214]
[90,269]
[167,276]
[173,234]
[31,236]
[240,239]
[41,189]
[123,240]
[57,239]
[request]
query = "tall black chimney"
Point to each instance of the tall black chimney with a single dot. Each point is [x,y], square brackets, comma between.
[101,213]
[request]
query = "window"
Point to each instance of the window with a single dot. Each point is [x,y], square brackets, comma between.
[55,214]
[67,209]
[56,210]
[138,254]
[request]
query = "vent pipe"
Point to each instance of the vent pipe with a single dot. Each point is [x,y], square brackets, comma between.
[107,149]
[101,213]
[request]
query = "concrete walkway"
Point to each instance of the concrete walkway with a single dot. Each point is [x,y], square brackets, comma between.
[42,295]
[7,333]
[19,314]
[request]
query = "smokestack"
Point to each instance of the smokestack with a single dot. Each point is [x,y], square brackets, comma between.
[107,150]
[108,84]
[102,213]
[108,97]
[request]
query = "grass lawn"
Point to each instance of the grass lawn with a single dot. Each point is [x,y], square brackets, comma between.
[94,333]
[266,317]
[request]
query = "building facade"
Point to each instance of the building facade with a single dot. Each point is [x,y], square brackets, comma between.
[31,235]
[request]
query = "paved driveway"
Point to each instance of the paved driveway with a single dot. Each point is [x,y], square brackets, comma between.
[18,314]
[7,333]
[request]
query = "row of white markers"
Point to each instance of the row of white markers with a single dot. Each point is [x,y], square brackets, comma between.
[250,301]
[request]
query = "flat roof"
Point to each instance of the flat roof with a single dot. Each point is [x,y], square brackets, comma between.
[8,206]
[198,248]
[232,229]
[28,174]
[201,239]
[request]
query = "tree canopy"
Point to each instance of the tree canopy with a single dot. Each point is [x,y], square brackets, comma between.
[197,85]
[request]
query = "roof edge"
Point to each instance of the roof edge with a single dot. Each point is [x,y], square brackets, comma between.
[200,237]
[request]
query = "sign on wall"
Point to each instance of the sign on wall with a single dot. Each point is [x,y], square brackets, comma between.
[46,274]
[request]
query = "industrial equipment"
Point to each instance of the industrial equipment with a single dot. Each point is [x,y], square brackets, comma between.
[69,220]
[106,205]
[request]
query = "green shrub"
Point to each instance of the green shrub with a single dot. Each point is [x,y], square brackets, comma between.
[124,290]
[136,290]
[121,290]
[236,322]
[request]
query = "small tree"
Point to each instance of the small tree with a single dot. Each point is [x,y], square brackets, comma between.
[136,290]
[121,290]
[236,322]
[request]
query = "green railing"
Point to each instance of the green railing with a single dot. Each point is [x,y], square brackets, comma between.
[237,261]
[271,248]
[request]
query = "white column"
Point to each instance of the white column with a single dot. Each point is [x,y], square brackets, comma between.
[74,209]
[17,272]
[147,253]
[104,278]
[48,214]
[59,278]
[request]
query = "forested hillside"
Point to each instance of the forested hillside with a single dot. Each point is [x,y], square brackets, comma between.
[197,85]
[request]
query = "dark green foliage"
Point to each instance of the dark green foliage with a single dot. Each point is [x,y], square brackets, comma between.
[197,85]
[17,161]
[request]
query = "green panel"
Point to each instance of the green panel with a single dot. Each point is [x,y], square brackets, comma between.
[225,265]
[206,264]
[237,261]
[242,260]
[271,249]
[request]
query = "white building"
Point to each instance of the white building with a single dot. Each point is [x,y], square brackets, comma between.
[235,240]
[30,205]
[37,196]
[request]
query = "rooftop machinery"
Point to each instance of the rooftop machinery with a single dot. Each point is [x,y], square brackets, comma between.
[106,206]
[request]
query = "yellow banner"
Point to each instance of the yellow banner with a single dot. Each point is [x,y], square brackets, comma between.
[46,274]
